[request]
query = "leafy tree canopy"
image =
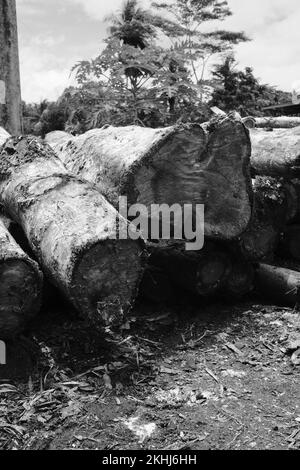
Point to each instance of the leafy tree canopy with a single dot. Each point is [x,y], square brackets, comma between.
[137,79]
[240,90]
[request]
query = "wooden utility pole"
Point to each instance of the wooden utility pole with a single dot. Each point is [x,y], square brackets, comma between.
[10,89]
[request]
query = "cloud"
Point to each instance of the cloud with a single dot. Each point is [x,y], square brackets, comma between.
[54,35]
[41,78]
[256,15]
[100,9]
[273,26]
[45,41]
[38,84]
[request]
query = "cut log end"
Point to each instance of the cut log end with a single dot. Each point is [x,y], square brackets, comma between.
[156,286]
[201,273]
[241,279]
[273,207]
[229,191]
[173,175]
[107,274]
[209,169]
[258,243]
[211,272]
[20,294]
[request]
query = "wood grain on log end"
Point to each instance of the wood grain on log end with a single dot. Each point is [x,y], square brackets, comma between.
[240,280]
[229,199]
[107,274]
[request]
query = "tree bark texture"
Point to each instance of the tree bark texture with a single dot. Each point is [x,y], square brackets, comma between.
[70,228]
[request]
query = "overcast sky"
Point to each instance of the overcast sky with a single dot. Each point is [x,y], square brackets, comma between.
[54,34]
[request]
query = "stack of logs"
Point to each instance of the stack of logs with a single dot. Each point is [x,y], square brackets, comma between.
[275,165]
[63,195]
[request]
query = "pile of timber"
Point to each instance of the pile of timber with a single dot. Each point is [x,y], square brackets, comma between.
[64,195]
[275,167]
[205,164]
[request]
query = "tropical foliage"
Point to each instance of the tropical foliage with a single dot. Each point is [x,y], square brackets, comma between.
[151,72]
[240,90]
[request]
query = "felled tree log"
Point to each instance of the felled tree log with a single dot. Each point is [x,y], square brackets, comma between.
[249,122]
[259,242]
[200,272]
[188,164]
[20,286]
[156,286]
[290,243]
[51,297]
[70,228]
[286,262]
[276,153]
[292,188]
[273,207]
[239,280]
[17,233]
[58,139]
[278,284]
[280,122]
[3,136]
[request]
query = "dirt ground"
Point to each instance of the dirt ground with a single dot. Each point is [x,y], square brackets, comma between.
[182,377]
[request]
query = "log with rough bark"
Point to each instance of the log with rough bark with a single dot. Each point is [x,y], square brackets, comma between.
[71,229]
[280,122]
[18,234]
[20,286]
[3,136]
[280,285]
[188,164]
[276,153]
[200,272]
